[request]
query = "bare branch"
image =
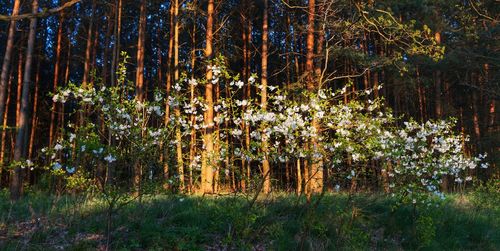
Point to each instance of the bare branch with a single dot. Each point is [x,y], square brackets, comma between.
[43,13]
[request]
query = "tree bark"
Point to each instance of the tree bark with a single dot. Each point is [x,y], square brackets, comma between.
[208,168]
[8,57]
[16,174]
[263,102]
[139,83]
[56,79]
[315,170]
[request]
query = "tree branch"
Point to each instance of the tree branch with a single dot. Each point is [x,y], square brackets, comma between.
[43,13]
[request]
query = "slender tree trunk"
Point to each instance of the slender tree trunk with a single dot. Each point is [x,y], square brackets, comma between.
[245,92]
[178,134]
[166,152]
[266,169]
[438,86]
[315,170]
[16,174]
[207,169]
[117,35]
[5,123]
[139,80]
[19,86]
[7,57]
[139,83]
[192,142]
[56,79]
[106,52]
[88,48]
[34,119]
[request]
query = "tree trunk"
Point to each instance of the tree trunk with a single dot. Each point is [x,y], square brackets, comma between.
[16,178]
[88,48]
[7,58]
[56,80]
[314,168]
[117,35]
[166,152]
[139,83]
[178,135]
[207,169]
[4,131]
[266,170]
[34,120]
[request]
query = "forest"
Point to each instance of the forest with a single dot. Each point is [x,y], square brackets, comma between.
[249,125]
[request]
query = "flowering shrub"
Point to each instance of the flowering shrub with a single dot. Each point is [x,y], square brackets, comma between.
[115,129]
[423,155]
[123,134]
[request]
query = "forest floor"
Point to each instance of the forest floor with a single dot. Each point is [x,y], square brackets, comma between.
[278,222]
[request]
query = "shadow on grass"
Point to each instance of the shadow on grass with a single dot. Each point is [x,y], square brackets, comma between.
[280,222]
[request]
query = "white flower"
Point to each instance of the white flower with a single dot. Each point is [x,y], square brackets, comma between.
[193,82]
[237,132]
[72,137]
[58,147]
[251,80]
[240,84]
[177,87]
[110,158]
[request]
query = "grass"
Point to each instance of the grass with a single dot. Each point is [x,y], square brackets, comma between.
[277,222]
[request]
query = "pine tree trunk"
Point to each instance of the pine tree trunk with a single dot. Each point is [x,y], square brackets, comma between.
[8,57]
[139,84]
[266,170]
[207,169]
[16,174]
[5,123]
[34,120]
[314,169]
[88,48]
[56,79]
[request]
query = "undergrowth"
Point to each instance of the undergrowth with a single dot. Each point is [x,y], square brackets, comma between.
[276,222]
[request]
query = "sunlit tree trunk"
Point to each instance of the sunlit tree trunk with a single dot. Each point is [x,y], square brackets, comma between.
[139,77]
[266,169]
[178,135]
[139,83]
[192,142]
[16,174]
[208,168]
[170,55]
[315,170]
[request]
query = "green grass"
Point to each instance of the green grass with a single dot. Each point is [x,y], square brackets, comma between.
[278,222]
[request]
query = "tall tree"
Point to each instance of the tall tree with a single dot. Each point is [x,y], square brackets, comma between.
[21,141]
[139,80]
[315,170]
[208,168]
[266,169]
[57,67]
[8,57]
